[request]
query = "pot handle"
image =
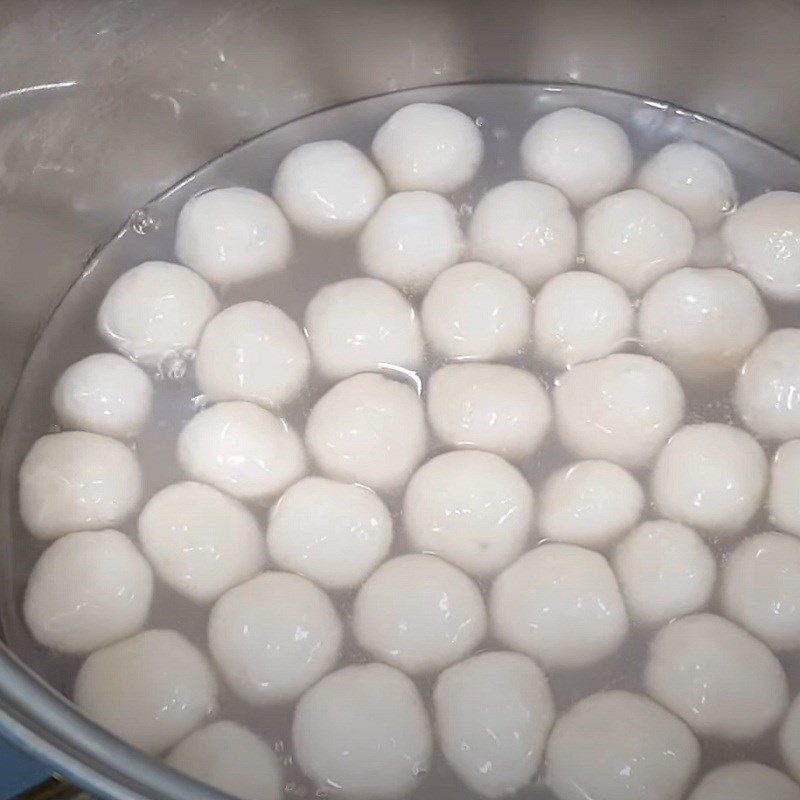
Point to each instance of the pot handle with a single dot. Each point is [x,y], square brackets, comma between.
[53,789]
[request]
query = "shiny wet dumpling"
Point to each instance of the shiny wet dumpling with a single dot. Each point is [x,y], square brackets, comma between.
[789,738]
[783,499]
[745,780]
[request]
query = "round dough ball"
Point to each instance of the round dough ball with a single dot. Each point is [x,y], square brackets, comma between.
[230,758]
[634,238]
[710,476]
[242,449]
[783,500]
[491,407]
[767,392]
[368,429]
[745,780]
[103,393]
[584,155]
[719,679]
[428,146]
[693,179]
[419,614]
[363,733]
[150,690]
[77,481]
[252,351]
[156,310]
[328,189]
[333,533]
[476,311]
[617,745]
[761,589]
[561,605]
[665,570]
[87,590]
[789,738]
[471,508]
[764,238]
[590,503]
[493,714]
[526,228]
[200,541]
[622,408]
[273,637]
[580,316]
[233,234]
[362,324]
[410,239]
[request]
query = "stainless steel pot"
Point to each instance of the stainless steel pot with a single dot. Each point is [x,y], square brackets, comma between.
[103,104]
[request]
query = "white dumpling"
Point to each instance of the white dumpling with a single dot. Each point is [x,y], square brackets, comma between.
[273,637]
[590,503]
[428,146]
[103,393]
[156,310]
[618,745]
[767,392]
[228,757]
[761,588]
[789,738]
[474,311]
[723,682]
[580,316]
[328,189]
[77,481]
[471,508]
[583,154]
[526,228]
[199,540]
[665,570]
[362,324]
[87,590]
[333,533]
[702,322]
[493,713]
[783,499]
[693,179]
[621,408]
[410,239]
[561,605]
[252,351]
[745,780]
[491,407]
[419,614]
[710,476]
[764,238]
[368,429]
[242,449]
[232,234]
[150,690]
[634,238]
[363,733]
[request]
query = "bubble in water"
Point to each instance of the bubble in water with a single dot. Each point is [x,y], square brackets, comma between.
[173,365]
[143,223]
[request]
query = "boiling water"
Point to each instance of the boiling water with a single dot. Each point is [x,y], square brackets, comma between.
[504,111]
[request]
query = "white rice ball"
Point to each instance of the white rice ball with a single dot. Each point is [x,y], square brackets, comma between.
[789,738]
[156,310]
[783,499]
[87,590]
[103,393]
[428,146]
[150,690]
[232,234]
[634,238]
[710,476]
[474,311]
[410,239]
[333,533]
[362,324]
[493,713]
[526,228]
[419,614]
[584,155]
[273,637]
[719,679]
[363,733]
[745,780]
[77,481]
